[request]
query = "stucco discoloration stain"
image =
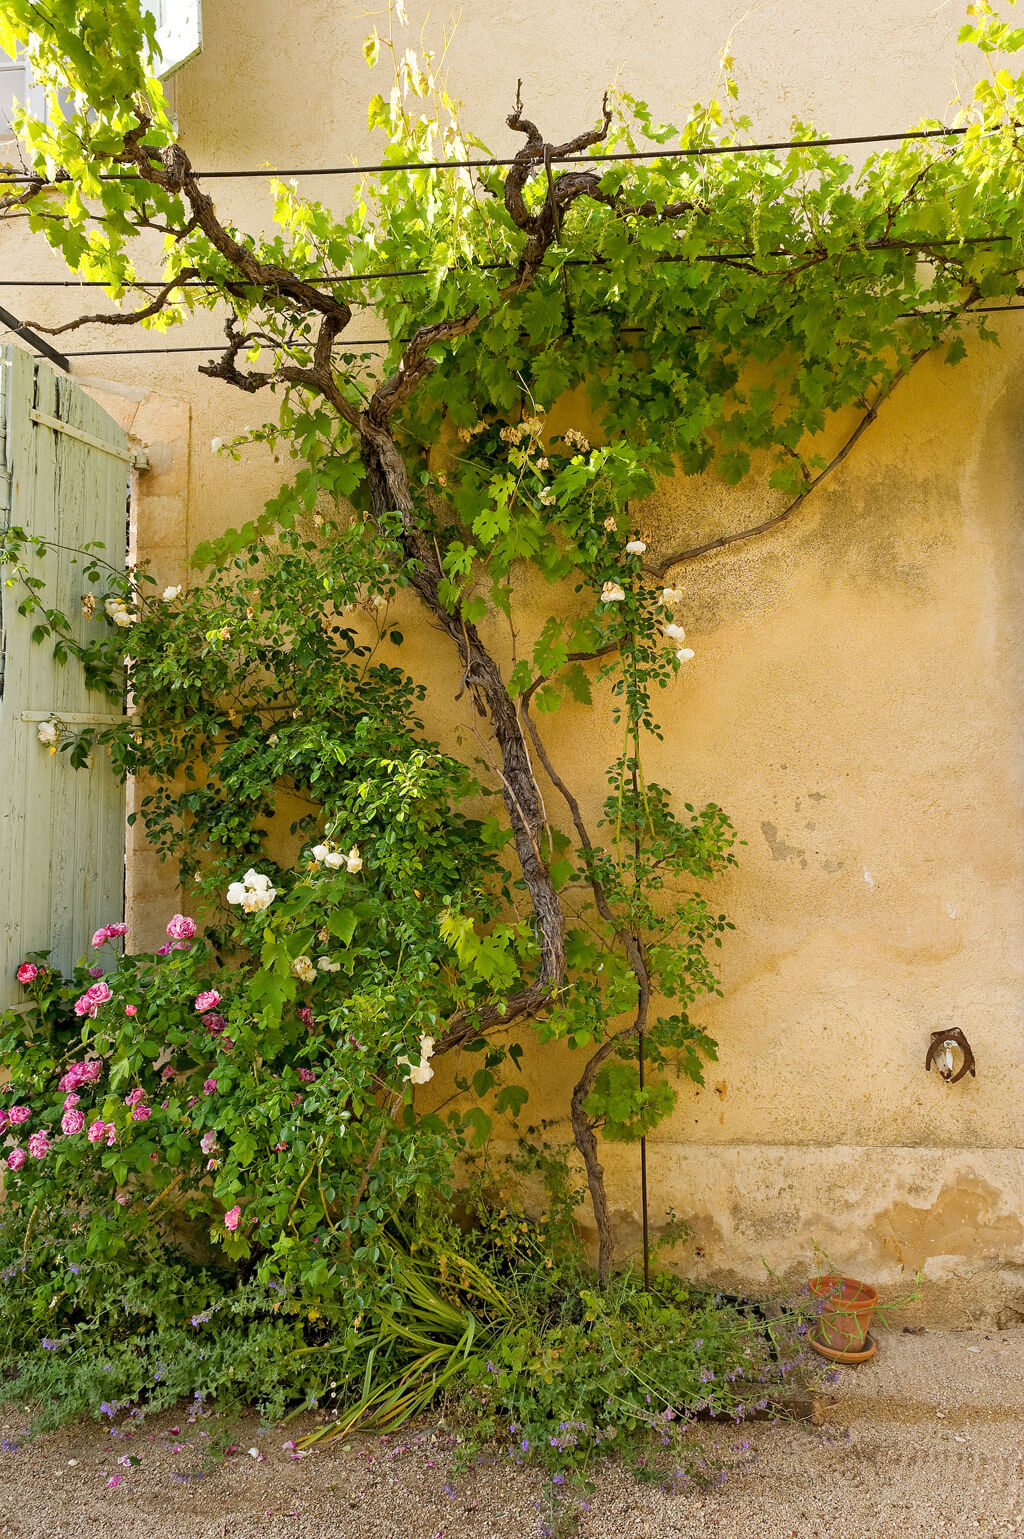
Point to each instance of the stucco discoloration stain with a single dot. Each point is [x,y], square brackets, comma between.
[969,1220]
[779,848]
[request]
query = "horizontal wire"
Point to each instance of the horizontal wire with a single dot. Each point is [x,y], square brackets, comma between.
[422,272]
[697,151]
[358,342]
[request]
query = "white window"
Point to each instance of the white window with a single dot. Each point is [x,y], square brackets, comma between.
[179,36]
[14,91]
[179,32]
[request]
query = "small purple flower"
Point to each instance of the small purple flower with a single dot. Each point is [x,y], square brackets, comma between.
[209,1087]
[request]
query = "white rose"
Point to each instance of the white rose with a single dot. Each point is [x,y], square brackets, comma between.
[46,733]
[327,966]
[353,860]
[320,851]
[236,893]
[261,900]
[256,880]
[334,859]
[611,593]
[684,654]
[671,596]
[635,548]
[216,444]
[303,969]
[427,1047]
[171,593]
[675,633]
[418,1073]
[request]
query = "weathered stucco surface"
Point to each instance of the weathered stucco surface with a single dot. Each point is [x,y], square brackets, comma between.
[855,701]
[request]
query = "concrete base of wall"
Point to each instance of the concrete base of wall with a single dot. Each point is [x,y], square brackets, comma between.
[945,1224]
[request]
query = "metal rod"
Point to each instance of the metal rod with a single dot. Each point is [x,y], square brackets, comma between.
[640,1039]
[38,343]
[695,151]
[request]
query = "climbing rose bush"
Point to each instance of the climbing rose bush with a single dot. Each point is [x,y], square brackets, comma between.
[263,1109]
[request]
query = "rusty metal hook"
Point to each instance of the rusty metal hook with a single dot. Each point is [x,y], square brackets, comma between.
[956,1036]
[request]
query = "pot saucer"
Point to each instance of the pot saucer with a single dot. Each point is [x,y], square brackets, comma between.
[835,1356]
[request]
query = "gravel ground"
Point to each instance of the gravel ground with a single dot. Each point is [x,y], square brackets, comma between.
[927,1441]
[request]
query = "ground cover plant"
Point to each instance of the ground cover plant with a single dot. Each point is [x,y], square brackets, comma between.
[238,1115]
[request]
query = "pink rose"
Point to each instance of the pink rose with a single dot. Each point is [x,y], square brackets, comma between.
[96,1130]
[73,1121]
[109,932]
[134,1097]
[19,1114]
[71,1100]
[231,1217]
[81,1073]
[307,1076]
[95,972]
[27,973]
[39,1146]
[208,1000]
[131,1009]
[111,1132]
[306,1016]
[89,1003]
[182,928]
[141,1113]
[209,1086]
[4,1119]
[164,950]
[16,1159]
[208,1142]
[123,1198]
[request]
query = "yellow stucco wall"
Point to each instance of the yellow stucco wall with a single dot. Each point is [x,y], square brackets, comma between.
[855,700]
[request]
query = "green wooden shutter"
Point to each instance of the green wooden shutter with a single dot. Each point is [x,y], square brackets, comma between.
[64,471]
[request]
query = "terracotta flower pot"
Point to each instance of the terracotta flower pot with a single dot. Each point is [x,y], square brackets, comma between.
[845,1315]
